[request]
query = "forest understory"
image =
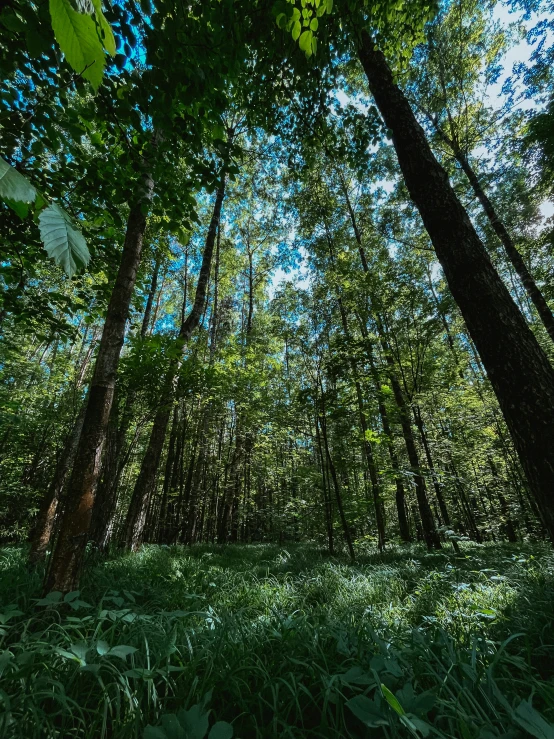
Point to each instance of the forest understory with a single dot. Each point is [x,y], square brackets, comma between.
[282,641]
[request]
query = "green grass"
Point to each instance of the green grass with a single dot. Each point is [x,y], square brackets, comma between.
[283,642]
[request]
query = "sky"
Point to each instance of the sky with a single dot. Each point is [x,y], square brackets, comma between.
[518,53]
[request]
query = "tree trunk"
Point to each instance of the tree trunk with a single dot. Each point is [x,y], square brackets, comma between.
[531,287]
[44,525]
[436,484]
[367,447]
[518,369]
[144,487]
[334,478]
[106,493]
[150,299]
[326,499]
[368,450]
[65,566]
[400,496]
[430,532]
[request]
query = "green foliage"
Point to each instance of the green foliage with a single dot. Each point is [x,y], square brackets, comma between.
[63,241]
[301,20]
[14,186]
[82,38]
[191,724]
[275,642]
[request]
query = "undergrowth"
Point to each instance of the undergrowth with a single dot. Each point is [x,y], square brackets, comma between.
[265,641]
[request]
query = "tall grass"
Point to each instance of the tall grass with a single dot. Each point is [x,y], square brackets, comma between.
[282,642]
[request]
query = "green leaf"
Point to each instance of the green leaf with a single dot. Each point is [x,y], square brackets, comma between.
[53,597]
[154,732]
[367,711]
[15,186]
[63,241]
[314,23]
[532,721]
[36,43]
[80,650]
[357,676]
[107,33]
[12,21]
[305,42]
[391,699]
[415,724]
[102,647]
[21,209]
[40,202]
[121,650]
[296,28]
[194,722]
[76,34]
[221,730]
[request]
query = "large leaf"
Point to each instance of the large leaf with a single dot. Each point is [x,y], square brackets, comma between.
[15,186]
[368,711]
[121,650]
[62,240]
[194,721]
[532,721]
[78,39]
[154,732]
[221,730]
[107,33]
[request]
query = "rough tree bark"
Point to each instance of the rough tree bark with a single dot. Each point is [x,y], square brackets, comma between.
[44,525]
[517,367]
[498,226]
[65,566]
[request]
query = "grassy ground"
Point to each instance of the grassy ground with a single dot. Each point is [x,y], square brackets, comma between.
[267,641]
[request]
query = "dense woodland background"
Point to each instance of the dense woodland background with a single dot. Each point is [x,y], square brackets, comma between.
[264,316]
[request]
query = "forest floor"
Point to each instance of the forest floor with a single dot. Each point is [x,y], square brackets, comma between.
[282,641]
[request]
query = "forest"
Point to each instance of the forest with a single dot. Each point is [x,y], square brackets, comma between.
[276,369]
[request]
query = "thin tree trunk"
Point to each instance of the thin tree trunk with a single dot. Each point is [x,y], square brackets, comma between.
[367,447]
[65,566]
[144,486]
[430,532]
[326,499]
[531,287]
[334,478]
[44,525]
[400,496]
[106,493]
[533,290]
[150,299]
[518,369]
[170,464]
[368,450]
[509,526]
[436,484]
